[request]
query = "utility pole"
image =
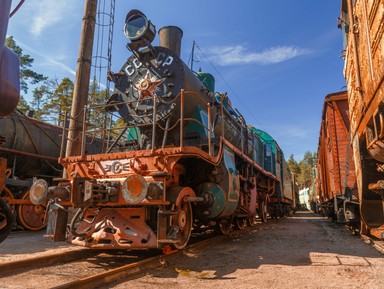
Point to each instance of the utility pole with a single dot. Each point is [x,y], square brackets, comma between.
[83,71]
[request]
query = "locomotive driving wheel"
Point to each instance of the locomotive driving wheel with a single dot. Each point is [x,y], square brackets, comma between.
[225,225]
[7,195]
[31,216]
[184,221]
[6,219]
[240,223]
[263,214]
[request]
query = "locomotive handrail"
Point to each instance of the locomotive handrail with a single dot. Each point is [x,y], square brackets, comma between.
[181,121]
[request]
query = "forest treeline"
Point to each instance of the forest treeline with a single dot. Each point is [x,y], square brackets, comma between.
[304,169]
[51,97]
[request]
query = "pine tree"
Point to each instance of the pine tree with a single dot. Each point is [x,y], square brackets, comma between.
[306,169]
[26,61]
[96,117]
[60,100]
[41,96]
[23,105]
[293,165]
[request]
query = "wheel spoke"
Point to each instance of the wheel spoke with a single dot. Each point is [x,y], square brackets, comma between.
[225,225]
[6,219]
[31,216]
[240,223]
[184,221]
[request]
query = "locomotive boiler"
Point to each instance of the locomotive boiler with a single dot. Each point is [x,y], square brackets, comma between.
[184,158]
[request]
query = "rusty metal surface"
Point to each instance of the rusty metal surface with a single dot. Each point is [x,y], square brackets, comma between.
[32,140]
[335,165]
[364,73]
[368,31]
[113,228]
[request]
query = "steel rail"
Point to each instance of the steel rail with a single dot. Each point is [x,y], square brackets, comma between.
[132,269]
[43,261]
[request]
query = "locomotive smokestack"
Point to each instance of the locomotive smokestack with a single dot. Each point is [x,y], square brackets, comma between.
[170,37]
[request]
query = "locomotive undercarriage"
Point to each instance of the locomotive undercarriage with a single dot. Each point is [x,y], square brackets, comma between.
[179,196]
[371,192]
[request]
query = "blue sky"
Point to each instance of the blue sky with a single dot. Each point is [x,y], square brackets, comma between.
[280,58]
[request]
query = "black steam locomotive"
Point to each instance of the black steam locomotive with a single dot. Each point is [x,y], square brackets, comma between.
[184,158]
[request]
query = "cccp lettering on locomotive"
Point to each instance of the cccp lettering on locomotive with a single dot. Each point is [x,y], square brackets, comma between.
[183,160]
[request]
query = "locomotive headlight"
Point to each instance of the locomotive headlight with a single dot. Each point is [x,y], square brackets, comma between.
[134,189]
[138,29]
[38,192]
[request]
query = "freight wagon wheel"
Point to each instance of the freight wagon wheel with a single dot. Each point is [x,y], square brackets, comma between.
[240,223]
[31,216]
[224,226]
[251,220]
[6,219]
[263,211]
[184,221]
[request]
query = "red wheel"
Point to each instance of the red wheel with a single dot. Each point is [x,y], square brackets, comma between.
[263,211]
[31,216]
[240,223]
[225,225]
[183,220]
[6,219]
[251,220]
[7,195]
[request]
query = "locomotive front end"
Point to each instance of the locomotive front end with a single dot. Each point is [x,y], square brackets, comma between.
[148,86]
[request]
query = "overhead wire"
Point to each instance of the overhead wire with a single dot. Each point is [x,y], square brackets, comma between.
[229,86]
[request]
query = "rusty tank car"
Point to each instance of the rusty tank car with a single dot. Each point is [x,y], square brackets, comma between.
[31,149]
[9,96]
[362,23]
[336,178]
[183,159]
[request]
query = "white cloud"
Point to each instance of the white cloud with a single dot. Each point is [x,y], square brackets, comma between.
[45,13]
[49,60]
[234,55]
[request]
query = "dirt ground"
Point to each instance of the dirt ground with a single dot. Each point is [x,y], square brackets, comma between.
[27,244]
[302,251]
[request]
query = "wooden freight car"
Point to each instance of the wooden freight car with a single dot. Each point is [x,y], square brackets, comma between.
[336,178]
[362,22]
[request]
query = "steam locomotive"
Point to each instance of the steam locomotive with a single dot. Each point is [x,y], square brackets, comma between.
[184,158]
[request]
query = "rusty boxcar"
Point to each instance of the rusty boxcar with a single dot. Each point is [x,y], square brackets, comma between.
[362,23]
[336,178]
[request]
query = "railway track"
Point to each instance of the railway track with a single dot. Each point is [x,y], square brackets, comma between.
[377,244]
[88,268]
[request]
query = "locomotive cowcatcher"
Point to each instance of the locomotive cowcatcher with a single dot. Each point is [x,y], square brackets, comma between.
[182,159]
